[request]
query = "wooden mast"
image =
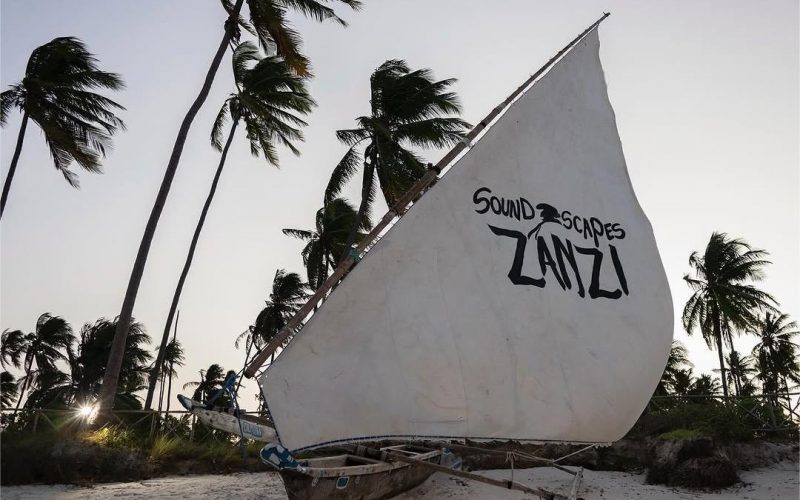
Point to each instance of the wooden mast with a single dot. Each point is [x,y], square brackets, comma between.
[400,208]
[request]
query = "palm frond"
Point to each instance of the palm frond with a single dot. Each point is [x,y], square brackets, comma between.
[342,173]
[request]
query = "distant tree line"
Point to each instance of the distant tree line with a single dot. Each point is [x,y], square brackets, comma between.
[726,303]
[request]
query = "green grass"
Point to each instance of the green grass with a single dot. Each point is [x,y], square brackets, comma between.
[678,434]
[175,448]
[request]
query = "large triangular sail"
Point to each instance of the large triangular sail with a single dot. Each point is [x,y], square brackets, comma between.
[523,297]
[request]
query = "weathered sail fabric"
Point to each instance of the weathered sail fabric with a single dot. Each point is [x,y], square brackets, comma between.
[522,297]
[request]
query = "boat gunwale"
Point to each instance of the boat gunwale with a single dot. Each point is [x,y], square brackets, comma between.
[359,470]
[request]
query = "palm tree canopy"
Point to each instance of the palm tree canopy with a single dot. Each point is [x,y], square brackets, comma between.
[12,347]
[173,356]
[677,360]
[722,288]
[269,100]
[269,23]
[289,292]
[328,239]
[408,109]
[56,93]
[89,364]
[683,379]
[211,380]
[776,353]
[49,343]
[8,389]
[704,385]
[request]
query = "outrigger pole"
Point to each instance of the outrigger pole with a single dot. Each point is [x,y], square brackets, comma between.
[401,207]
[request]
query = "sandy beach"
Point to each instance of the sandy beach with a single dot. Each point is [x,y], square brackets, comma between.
[777,482]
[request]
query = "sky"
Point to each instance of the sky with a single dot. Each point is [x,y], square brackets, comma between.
[705,95]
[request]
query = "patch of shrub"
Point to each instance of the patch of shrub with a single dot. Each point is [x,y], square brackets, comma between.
[112,437]
[710,418]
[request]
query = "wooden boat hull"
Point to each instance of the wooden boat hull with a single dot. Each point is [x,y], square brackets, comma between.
[358,478]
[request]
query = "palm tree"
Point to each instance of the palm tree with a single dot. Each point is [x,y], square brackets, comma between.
[739,368]
[328,240]
[408,109]
[704,385]
[678,358]
[288,294]
[8,389]
[87,365]
[683,380]
[173,356]
[211,381]
[56,93]
[48,344]
[268,100]
[776,354]
[268,22]
[724,298]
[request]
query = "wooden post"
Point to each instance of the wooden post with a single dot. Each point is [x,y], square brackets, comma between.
[400,208]
[576,483]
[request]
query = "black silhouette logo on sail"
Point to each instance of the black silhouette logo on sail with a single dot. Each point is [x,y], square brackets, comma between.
[557,255]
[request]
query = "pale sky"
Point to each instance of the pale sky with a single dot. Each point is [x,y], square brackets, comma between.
[705,94]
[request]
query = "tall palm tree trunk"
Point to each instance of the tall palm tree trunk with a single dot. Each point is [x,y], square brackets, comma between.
[176,297]
[172,362]
[718,338]
[111,377]
[24,384]
[14,160]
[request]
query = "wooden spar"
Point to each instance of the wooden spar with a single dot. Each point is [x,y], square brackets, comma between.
[507,484]
[400,208]
[488,451]
[573,492]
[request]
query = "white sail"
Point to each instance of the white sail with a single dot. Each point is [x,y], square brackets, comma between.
[523,297]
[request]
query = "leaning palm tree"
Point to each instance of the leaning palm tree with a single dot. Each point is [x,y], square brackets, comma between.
[724,297]
[776,353]
[268,21]
[8,389]
[56,93]
[38,351]
[268,101]
[328,240]
[409,109]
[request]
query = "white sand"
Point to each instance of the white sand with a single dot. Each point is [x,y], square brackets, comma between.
[777,482]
